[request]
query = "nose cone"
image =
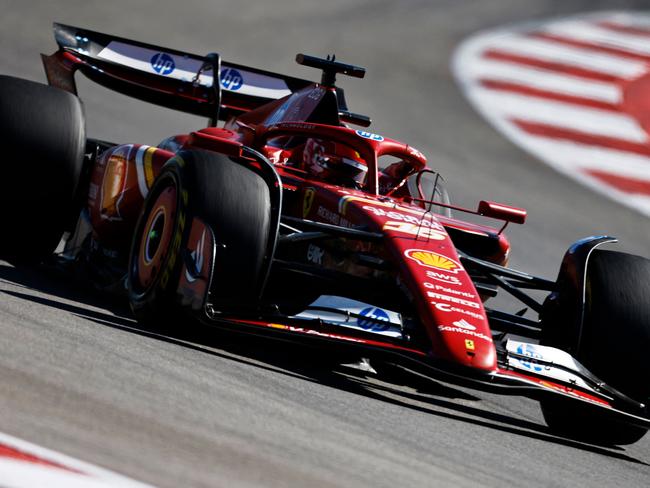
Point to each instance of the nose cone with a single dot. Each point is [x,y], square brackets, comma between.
[465,342]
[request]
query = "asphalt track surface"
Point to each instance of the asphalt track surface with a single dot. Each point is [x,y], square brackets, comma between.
[204,409]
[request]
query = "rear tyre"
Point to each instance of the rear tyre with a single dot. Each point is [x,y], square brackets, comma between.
[44,137]
[614,344]
[232,201]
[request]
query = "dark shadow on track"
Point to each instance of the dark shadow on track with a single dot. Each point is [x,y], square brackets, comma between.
[288,359]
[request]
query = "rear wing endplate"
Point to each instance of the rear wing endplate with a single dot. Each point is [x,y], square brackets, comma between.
[166,77]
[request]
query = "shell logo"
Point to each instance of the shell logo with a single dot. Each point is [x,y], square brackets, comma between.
[432,260]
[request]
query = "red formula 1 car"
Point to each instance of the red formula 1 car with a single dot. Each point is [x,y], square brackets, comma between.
[285,221]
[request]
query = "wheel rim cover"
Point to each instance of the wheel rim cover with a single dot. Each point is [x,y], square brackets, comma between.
[156,237]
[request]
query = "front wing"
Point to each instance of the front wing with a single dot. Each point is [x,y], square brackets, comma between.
[523,368]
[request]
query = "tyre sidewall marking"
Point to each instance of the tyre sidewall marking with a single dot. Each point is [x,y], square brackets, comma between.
[177,240]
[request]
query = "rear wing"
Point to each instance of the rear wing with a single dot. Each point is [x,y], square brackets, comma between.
[166,77]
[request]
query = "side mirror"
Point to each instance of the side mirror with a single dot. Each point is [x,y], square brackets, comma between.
[502,212]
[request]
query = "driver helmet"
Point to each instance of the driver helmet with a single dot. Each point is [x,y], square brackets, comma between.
[334,162]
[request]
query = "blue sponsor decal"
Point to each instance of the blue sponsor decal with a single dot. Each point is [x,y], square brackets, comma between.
[529,350]
[162,63]
[231,79]
[374,319]
[370,135]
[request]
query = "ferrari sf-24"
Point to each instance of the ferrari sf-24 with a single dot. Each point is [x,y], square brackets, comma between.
[286,217]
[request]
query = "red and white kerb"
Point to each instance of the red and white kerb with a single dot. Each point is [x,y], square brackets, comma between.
[26,465]
[573,91]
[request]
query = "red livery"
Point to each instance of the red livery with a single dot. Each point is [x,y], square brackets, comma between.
[286,221]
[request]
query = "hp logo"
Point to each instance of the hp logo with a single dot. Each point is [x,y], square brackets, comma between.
[162,63]
[374,319]
[529,350]
[231,79]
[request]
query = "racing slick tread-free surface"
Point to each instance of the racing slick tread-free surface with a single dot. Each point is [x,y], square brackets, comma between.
[230,199]
[614,345]
[43,132]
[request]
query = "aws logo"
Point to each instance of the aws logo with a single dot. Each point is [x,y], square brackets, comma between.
[430,259]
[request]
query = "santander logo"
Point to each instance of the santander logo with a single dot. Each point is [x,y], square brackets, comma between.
[464,324]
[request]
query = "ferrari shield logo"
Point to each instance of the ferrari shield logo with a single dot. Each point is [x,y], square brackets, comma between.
[308,201]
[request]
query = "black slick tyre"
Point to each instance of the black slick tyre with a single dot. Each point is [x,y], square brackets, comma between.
[232,200]
[44,138]
[613,345]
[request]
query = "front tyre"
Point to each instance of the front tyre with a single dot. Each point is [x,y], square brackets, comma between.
[228,198]
[614,344]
